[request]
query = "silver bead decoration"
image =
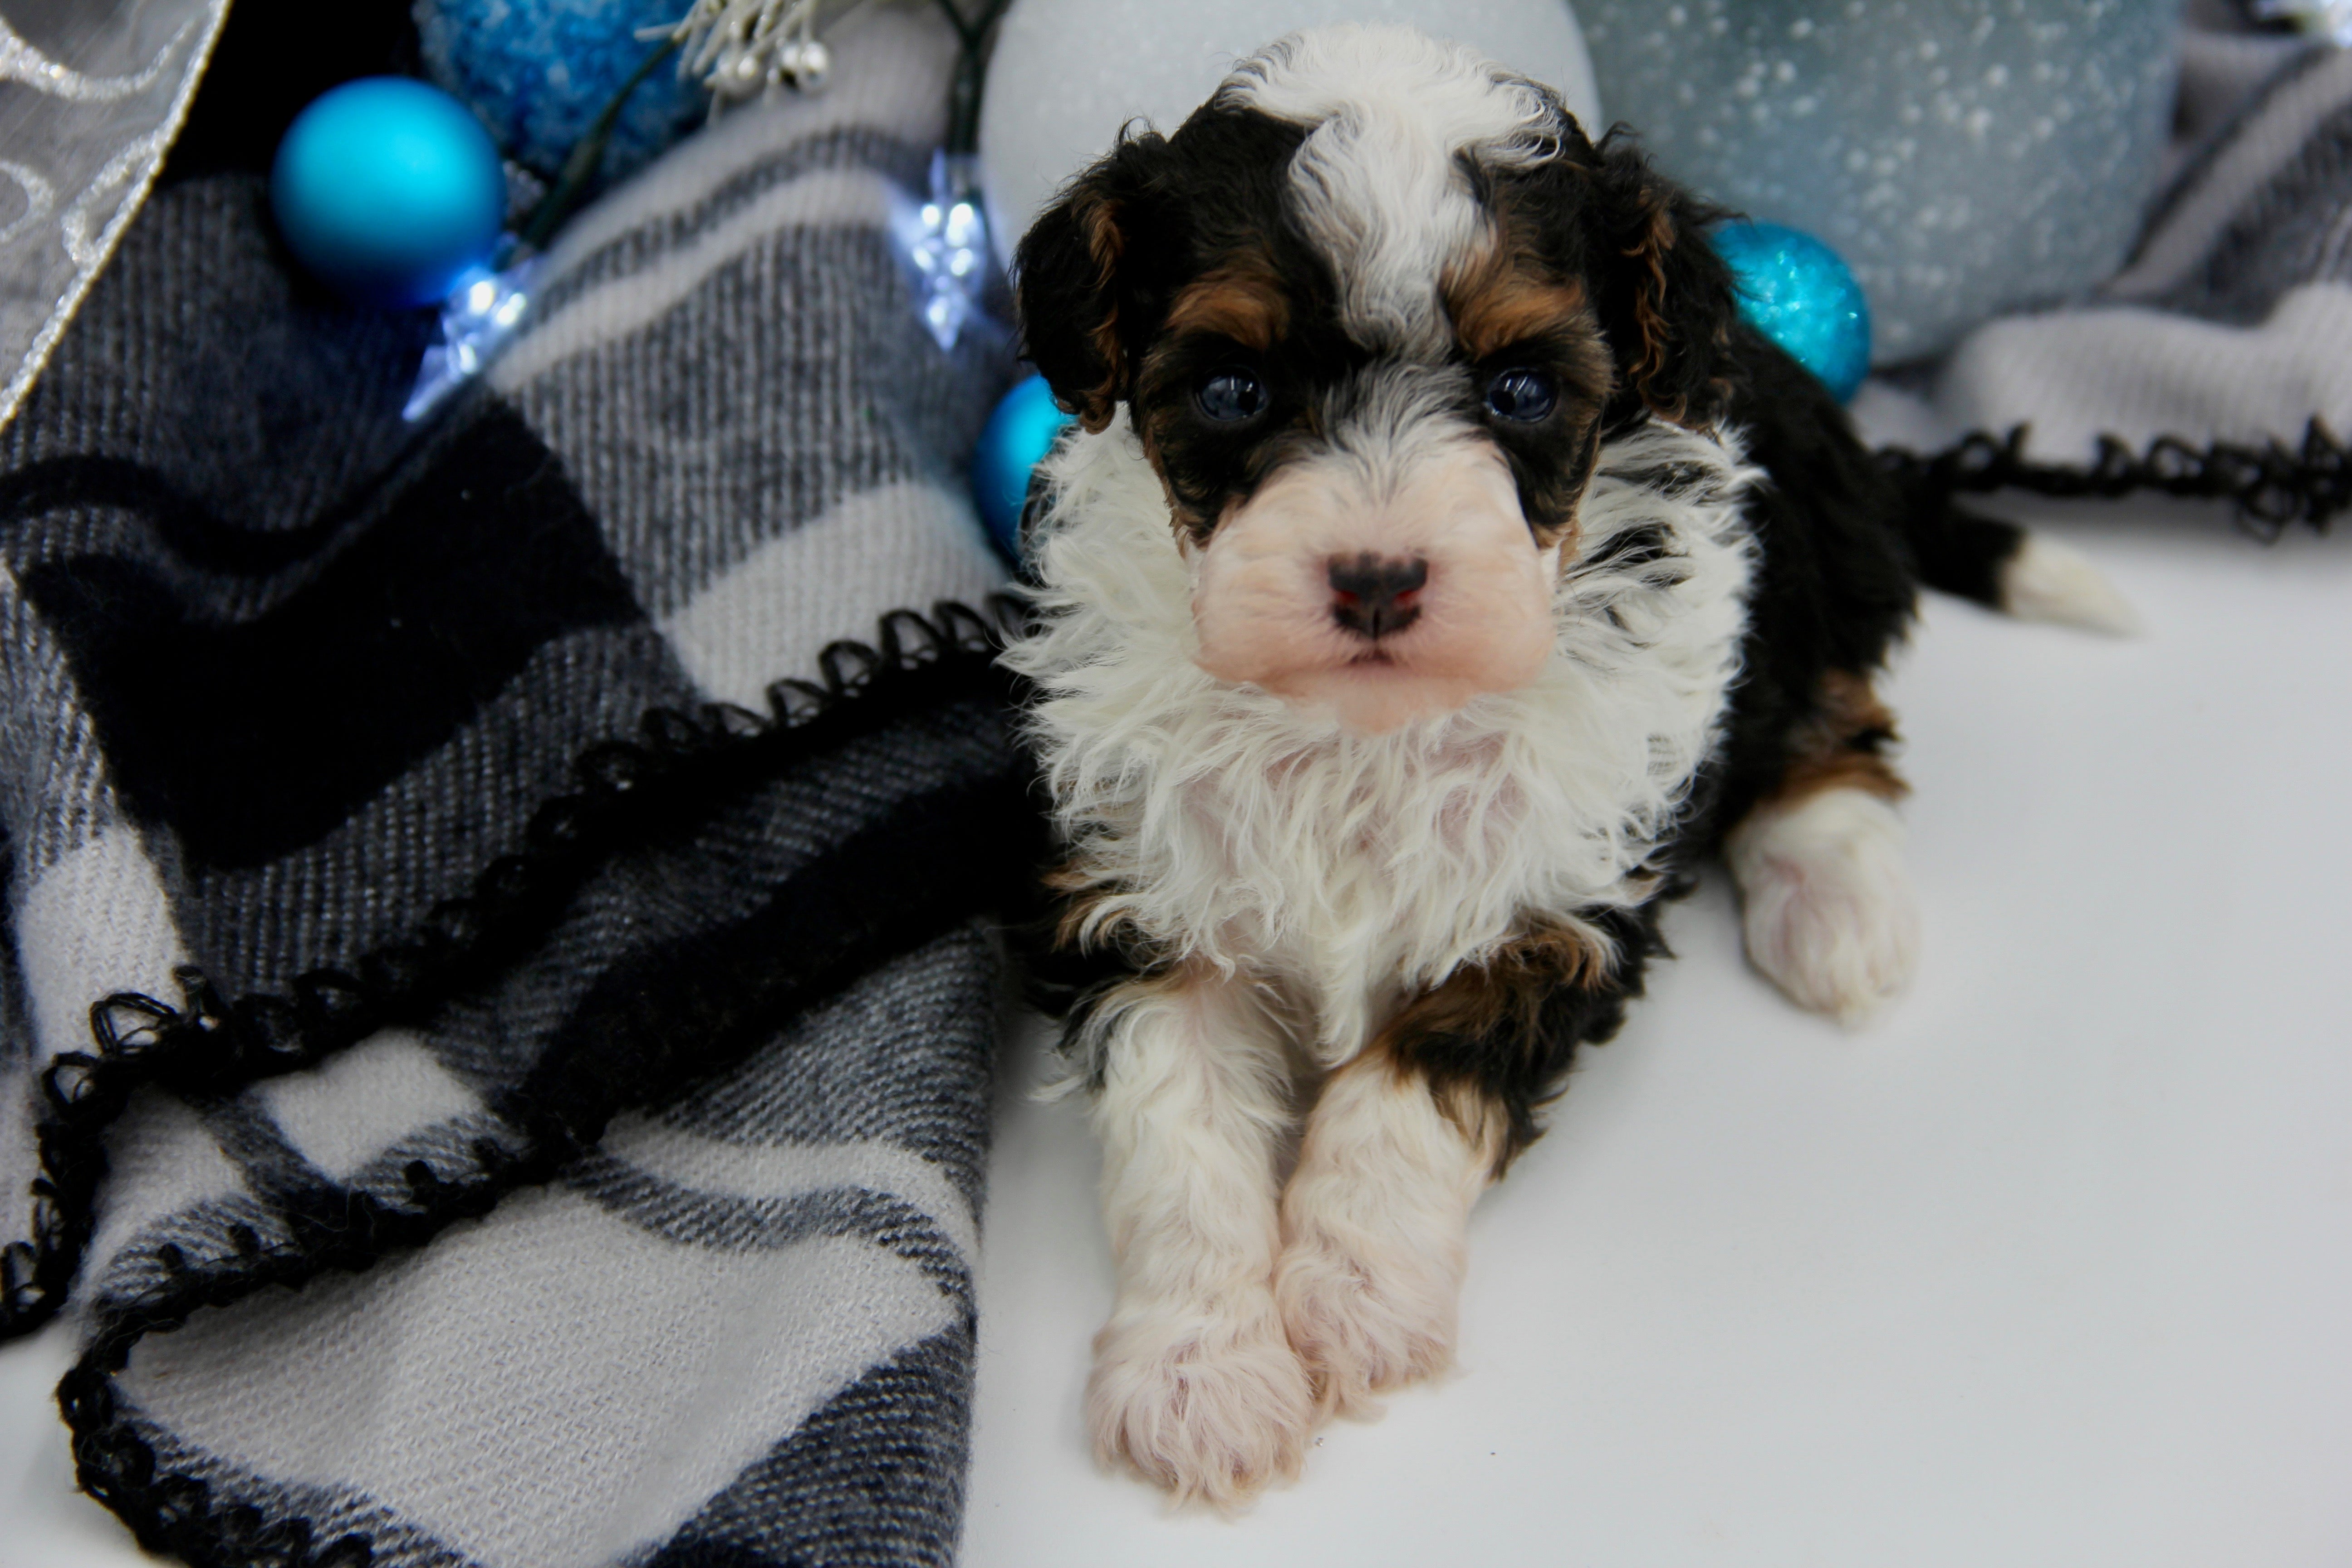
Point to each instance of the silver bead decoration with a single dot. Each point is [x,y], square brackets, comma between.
[811,64]
[745,49]
[2330,19]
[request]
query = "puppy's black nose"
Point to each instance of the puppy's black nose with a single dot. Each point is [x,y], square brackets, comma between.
[1376,595]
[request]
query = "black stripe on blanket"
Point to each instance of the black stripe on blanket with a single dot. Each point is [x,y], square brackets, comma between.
[624,1045]
[256,737]
[918,871]
[697,1219]
[813,1501]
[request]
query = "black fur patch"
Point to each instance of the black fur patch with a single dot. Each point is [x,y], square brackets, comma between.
[1517,1060]
[1835,584]
[1102,270]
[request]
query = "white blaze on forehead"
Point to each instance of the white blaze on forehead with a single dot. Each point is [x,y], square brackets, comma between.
[1378,183]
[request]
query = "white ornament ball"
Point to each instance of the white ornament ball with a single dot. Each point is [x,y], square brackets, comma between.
[1067,74]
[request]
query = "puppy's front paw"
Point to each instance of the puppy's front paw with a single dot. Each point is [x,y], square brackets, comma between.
[1210,1408]
[1367,1321]
[1827,911]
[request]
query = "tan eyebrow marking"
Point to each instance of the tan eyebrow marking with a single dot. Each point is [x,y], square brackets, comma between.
[1240,299]
[1499,300]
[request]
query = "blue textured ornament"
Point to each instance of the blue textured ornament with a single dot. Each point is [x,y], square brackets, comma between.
[1017,437]
[1798,292]
[389,190]
[538,71]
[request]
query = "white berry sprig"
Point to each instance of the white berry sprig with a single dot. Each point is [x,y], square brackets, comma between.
[745,49]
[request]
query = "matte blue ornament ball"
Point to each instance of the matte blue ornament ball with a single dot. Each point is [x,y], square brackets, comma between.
[1015,440]
[1800,294]
[389,190]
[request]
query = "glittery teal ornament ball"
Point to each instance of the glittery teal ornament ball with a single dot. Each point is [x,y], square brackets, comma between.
[1800,294]
[538,72]
[1016,439]
[388,189]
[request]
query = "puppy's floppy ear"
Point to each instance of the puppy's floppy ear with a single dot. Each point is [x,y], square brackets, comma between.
[1666,298]
[1069,276]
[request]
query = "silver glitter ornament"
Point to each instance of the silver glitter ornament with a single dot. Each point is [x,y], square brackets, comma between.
[1966,157]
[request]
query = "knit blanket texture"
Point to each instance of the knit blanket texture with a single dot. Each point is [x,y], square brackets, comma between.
[496,997]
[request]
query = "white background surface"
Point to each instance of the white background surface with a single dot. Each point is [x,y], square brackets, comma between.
[2052,1265]
[1065,75]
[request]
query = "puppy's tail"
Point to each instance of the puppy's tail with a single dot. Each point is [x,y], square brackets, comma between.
[2273,486]
[2007,567]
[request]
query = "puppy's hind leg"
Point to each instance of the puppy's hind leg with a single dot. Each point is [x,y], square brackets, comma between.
[1827,907]
[1195,1386]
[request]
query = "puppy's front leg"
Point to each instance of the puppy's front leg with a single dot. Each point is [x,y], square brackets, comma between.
[1374,1224]
[1194,1386]
[1405,1137]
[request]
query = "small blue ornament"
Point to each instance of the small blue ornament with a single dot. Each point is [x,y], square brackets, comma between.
[1018,436]
[1799,293]
[389,190]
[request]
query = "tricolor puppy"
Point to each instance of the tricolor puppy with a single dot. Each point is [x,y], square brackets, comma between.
[1443,567]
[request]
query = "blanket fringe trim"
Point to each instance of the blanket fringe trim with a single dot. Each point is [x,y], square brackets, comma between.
[2273,486]
[682,757]
[180,1513]
[626,788]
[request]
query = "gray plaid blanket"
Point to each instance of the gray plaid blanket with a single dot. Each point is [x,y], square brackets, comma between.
[495,1013]
[2231,322]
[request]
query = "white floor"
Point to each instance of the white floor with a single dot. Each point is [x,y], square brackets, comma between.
[2052,1266]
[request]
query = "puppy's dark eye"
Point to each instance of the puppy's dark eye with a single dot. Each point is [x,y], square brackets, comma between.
[1230,393]
[1525,396]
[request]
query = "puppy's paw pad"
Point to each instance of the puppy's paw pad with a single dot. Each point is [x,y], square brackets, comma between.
[1362,1328]
[1210,1413]
[1829,914]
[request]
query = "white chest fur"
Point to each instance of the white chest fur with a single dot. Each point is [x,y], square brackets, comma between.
[1227,827]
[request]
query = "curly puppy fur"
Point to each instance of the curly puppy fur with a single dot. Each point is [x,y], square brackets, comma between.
[1441,567]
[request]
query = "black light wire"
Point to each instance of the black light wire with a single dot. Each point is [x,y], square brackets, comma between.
[972,35]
